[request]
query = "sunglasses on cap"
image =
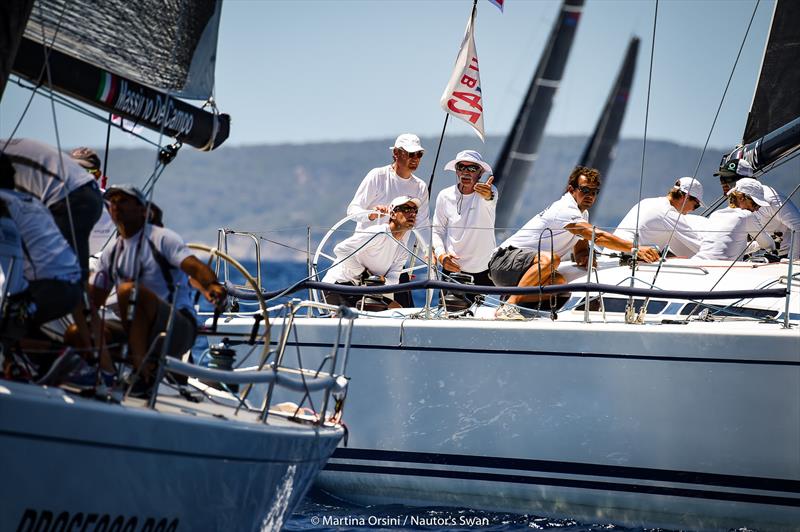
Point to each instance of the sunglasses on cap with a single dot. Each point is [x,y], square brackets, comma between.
[405,208]
[468,167]
[589,191]
[413,155]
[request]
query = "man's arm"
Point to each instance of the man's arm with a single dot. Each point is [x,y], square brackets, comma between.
[364,197]
[205,280]
[608,240]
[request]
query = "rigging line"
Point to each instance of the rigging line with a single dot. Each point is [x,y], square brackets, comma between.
[45,68]
[741,253]
[77,108]
[716,116]
[104,169]
[62,168]
[635,248]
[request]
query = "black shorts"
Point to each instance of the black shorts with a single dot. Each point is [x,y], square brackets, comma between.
[184,331]
[508,265]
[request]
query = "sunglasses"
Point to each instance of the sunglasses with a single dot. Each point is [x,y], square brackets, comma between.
[405,209]
[468,168]
[728,180]
[696,202]
[589,191]
[414,155]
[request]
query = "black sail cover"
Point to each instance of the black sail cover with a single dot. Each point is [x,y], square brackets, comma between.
[599,151]
[520,148]
[776,101]
[132,58]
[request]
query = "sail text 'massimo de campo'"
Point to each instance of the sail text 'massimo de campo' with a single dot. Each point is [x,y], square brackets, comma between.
[155,110]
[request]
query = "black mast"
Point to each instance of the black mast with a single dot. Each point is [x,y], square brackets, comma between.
[599,151]
[520,147]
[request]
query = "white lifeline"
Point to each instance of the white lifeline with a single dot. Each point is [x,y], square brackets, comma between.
[464,225]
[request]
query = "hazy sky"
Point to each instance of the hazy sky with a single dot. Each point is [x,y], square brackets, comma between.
[300,71]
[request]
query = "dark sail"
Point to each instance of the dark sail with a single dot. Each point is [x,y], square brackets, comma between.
[133,59]
[13,17]
[520,147]
[776,101]
[599,151]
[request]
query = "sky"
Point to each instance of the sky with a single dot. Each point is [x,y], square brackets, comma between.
[309,71]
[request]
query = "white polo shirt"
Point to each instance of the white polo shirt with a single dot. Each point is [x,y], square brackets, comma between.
[657,218]
[372,249]
[382,185]
[727,232]
[47,254]
[787,219]
[39,172]
[560,214]
[464,225]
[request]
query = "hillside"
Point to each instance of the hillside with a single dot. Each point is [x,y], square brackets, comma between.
[280,190]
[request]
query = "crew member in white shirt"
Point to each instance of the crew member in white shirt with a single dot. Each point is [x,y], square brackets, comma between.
[730,230]
[50,267]
[780,215]
[463,221]
[518,262]
[381,185]
[666,219]
[377,250]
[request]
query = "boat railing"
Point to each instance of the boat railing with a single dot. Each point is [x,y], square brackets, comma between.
[328,378]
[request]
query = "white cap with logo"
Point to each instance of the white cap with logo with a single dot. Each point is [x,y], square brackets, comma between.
[752,188]
[408,142]
[692,187]
[402,200]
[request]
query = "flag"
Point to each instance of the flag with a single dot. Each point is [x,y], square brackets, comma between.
[498,3]
[462,97]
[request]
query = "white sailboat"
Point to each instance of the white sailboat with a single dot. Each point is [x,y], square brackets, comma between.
[663,396]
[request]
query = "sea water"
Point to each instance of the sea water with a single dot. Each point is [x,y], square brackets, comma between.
[320,512]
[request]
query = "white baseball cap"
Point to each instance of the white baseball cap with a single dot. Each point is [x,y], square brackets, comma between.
[402,200]
[408,142]
[692,187]
[752,188]
[468,156]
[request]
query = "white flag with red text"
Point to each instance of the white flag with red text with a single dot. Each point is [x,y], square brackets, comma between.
[462,98]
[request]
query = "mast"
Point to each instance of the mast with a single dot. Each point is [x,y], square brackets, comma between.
[521,146]
[599,151]
[773,123]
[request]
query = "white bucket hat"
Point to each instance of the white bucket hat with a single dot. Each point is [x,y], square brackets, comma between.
[752,188]
[469,156]
[692,187]
[408,142]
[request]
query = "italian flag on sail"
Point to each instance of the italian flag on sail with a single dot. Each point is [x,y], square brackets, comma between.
[107,90]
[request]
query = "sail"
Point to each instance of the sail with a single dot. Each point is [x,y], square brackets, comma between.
[133,59]
[776,102]
[521,146]
[599,151]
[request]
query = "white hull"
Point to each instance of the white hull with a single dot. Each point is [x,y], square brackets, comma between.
[694,425]
[97,466]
